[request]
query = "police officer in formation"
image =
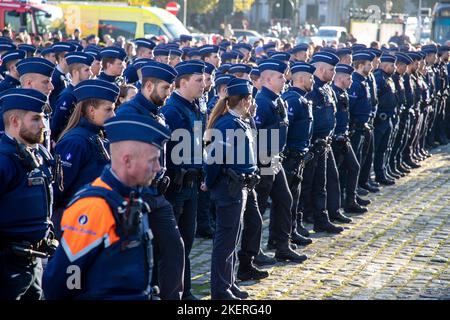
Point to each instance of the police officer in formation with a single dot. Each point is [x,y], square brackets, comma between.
[27,176]
[347,163]
[320,126]
[79,65]
[182,111]
[83,146]
[271,117]
[114,220]
[229,183]
[298,142]
[168,246]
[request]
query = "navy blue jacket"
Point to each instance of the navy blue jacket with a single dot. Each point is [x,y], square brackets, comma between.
[300,119]
[59,82]
[386,93]
[83,160]
[399,89]
[182,114]
[271,115]
[25,194]
[360,100]
[244,150]
[342,115]
[9,83]
[105,77]
[324,108]
[63,109]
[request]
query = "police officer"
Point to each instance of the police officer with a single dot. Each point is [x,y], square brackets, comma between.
[360,107]
[387,108]
[411,100]
[396,160]
[210,54]
[298,141]
[112,64]
[28,48]
[26,195]
[300,53]
[79,64]
[94,51]
[82,145]
[144,49]
[220,88]
[255,77]
[182,112]
[48,54]
[168,245]
[204,218]
[59,78]
[369,141]
[313,194]
[347,163]
[175,54]
[35,73]
[271,117]
[161,54]
[106,237]
[9,61]
[229,183]
[185,41]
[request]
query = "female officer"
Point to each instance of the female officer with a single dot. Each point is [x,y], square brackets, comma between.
[82,146]
[229,181]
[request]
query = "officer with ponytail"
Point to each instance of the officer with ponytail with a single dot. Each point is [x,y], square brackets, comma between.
[230,176]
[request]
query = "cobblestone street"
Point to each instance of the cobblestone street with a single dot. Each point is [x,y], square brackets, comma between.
[400,249]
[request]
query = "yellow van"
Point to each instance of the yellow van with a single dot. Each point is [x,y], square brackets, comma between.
[120,19]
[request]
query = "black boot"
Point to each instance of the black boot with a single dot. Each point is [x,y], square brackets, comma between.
[385,181]
[262,259]
[340,217]
[300,227]
[299,239]
[247,271]
[237,292]
[361,191]
[369,188]
[353,206]
[285,253]
[362,202]
[328,227]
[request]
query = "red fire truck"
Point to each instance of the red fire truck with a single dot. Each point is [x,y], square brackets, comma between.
[34,16]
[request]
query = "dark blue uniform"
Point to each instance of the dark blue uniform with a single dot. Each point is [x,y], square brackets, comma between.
[297,145]
[369,141]
[383,126]
[346,160]
[360,107]
[185,177]
[271,115]
[59,82]
[84,153]
[8,83]
[105,77]
[25,210]
[205,219]
[168,245]
[314,195]
[396,159]
[230,205]
[64,107]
